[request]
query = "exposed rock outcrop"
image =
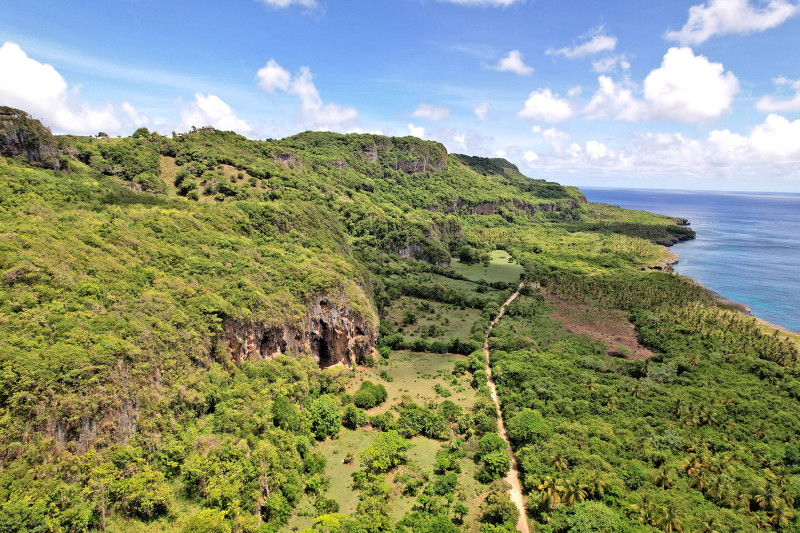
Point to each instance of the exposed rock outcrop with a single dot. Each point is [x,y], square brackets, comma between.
[23,136]
[287,159]
[332,334]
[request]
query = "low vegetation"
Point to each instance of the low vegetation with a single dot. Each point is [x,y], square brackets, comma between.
[127,403]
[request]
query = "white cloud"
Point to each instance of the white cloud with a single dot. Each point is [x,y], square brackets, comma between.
[689,88]
[430,112]
[725,17]
[210,110]
[482,111]
[555,139]
[769,104]
[610,63]
[775,139]
[501,153]
[311,111]
[513,62]
[287,3]
[530,157]
[597,150]
[40,90]
[416,131]
[493,3]
[596,41]
[613,100]
[768,149]
[685,88]
[575,91]
[542,105]
[273,76]
[316,114]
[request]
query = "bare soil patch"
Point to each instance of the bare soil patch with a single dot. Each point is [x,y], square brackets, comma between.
[610,326]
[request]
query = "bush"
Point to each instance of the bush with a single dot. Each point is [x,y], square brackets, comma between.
[528,427]
[207,521]
[354,417]
[369,395]
[326,417]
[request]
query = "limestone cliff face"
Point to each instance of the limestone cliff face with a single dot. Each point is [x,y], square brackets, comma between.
[23,136]
[332,334]
[490,208]
[407,154]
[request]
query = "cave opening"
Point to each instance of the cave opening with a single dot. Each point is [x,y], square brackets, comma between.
[321,347]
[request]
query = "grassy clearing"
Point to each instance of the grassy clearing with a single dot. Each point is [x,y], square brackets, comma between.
[182,511]
[434,321]
[340,488]
[415,375]
[499,269]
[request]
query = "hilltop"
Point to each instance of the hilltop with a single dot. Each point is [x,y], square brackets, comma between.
[208,333]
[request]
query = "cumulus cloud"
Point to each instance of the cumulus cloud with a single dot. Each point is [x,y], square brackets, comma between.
[311,110]
[430,112]
[39,89]
[610,63]
[210,110]
[481,111]
[287,3]
[725,17]
[770,148]
[491,3]
[612,100]
[416,131]
[595,42]
[513,62]
[542,105]
[689,88]
[769,104]
[272,76]
[775,138]
[685,88]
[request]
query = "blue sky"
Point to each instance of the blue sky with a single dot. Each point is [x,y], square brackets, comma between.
[699,94]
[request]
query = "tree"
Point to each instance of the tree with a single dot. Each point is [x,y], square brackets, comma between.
[528,427]
[386,452]
[551,492]
[593,517]
[498,508]
[326,417]
[574,492]
[207,521]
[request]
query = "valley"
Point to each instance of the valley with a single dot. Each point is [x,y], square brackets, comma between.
[336,333]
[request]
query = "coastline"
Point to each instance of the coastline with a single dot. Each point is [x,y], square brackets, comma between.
[736,306]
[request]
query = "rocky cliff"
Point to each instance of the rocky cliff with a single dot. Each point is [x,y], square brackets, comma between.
[332,334]
[22,136]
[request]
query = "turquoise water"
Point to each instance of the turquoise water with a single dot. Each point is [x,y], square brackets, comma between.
[747,246]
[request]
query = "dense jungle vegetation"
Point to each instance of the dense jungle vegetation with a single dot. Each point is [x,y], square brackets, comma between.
[126,403]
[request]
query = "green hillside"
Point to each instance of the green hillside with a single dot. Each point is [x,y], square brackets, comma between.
[208,333]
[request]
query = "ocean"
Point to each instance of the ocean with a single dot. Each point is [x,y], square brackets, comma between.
[747,246]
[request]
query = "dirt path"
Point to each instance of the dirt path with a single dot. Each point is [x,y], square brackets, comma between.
[512,477]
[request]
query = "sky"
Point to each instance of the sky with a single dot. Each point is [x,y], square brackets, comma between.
[625,93]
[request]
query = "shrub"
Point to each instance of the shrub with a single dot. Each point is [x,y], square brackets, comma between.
[326,417]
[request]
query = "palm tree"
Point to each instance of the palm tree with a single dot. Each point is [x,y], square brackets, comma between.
[781,515]
[551,491]
[669,521]
[558,462]
[596,485]
[636,391]
[663,478]
[573,492]
[708,526]
[765,497]
[645,508]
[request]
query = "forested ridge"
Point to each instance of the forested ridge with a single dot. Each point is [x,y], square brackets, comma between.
[202,332]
